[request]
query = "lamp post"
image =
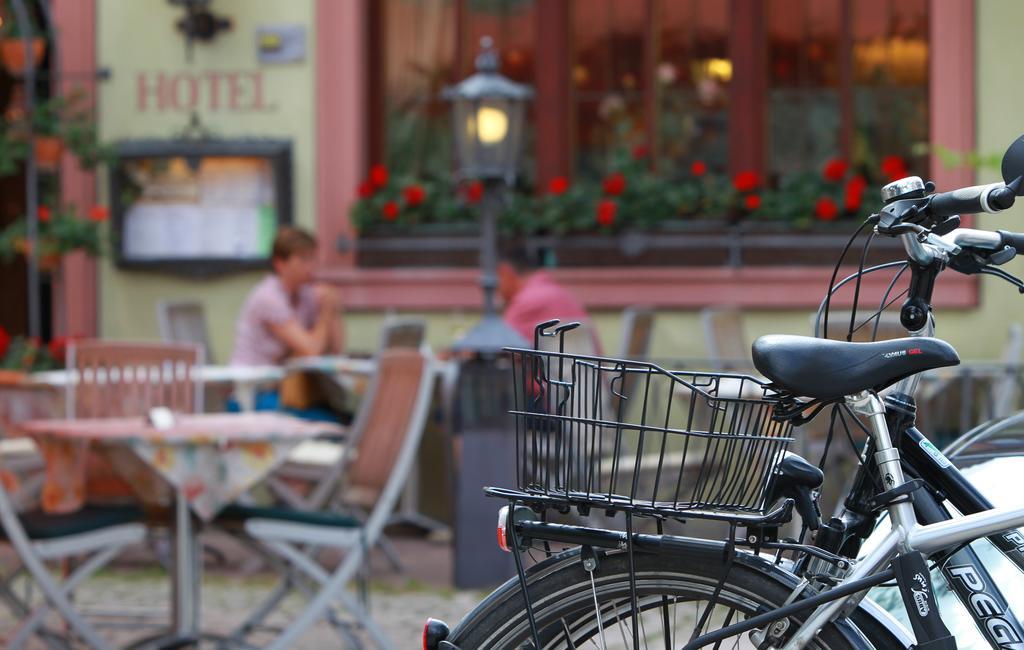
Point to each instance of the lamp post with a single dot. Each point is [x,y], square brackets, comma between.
[488,111]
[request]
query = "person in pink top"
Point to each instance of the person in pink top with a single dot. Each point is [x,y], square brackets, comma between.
[533,296]
[288,315]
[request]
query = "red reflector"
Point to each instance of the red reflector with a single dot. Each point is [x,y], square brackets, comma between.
[502,522]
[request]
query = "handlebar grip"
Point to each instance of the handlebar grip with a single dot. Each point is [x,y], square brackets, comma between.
[1014,240]
[969,200]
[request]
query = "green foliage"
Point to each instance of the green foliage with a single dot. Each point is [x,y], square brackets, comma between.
[629,197]
[69,118]
[61,232]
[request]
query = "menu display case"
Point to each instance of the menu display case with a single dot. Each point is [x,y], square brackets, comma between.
[199,207]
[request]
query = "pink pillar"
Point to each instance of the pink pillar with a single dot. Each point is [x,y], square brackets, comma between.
[341,120]
[76,294]
[951,79]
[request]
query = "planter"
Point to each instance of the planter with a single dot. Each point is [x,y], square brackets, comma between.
[426,245]
[14,54]
[686,243]
[48,150]
[49,263]
[12,377]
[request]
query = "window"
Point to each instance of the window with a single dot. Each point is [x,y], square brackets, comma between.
[428,44]
[779,85]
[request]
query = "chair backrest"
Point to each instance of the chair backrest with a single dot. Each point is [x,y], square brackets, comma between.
[725,337]
[184,322]
[637,325]
[390,427]
[128,379]
[403,333]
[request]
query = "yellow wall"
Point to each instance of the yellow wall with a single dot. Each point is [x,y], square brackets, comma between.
[140,36]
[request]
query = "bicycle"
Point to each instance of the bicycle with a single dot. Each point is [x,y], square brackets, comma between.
[587,442]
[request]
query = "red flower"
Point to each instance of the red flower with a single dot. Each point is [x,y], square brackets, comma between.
[854,193]
[752,202]
[379,176]
[698,168]
[745,181]
[366,189]
[390,211]
[414,195]
[894,168]
[614,184]
[558,185]
[475,192]
[606,209]
[826,209]
[58,348]
[43,213]
[835,169]
[98,213]
[640,152]
[5,342]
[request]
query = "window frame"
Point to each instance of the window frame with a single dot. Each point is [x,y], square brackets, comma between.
[951,117]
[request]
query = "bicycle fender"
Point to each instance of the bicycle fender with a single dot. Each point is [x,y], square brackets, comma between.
[899,637]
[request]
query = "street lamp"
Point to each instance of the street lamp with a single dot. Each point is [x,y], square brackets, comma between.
[488,110]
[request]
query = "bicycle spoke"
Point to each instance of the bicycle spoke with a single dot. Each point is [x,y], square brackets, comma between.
[568,636]
[597,609]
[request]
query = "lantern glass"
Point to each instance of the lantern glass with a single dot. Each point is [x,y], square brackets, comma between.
[487,134]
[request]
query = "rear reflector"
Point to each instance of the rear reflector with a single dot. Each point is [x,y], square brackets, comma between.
[434,632]
[502,524]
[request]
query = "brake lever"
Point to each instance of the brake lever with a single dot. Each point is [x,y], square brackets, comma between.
[947,226]
[999,273]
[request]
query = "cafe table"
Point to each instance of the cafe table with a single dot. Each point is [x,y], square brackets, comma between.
[198,465]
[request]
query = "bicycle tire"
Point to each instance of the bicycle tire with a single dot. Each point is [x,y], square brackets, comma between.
[561,594]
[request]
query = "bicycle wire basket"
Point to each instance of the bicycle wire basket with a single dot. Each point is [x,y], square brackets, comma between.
[631,436]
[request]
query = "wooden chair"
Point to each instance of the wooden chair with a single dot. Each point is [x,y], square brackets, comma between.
[92,536]
[375,469]
[726,339]
[184,321]
[637,327]
[128,379]
[403,333]
[117,379]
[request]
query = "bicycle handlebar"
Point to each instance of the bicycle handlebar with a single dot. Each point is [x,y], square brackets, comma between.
[990,198]
[1014,240]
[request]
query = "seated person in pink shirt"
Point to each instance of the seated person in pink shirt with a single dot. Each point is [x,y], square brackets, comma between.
[287,315]
[533,296]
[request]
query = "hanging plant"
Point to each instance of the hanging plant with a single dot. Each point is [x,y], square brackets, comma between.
[60,231]
[13,52]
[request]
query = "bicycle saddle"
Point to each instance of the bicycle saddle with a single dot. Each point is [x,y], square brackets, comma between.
[824,369]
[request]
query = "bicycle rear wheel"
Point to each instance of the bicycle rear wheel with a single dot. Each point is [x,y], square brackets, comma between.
[672,594]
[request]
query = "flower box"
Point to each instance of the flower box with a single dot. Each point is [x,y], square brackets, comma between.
[700,243]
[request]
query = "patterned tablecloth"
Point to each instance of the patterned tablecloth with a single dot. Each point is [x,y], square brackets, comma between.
[20,401]
[212,459]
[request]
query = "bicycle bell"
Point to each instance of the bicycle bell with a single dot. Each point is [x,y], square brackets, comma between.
[911,187]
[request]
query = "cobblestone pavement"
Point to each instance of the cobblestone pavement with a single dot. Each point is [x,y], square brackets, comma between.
[234,582]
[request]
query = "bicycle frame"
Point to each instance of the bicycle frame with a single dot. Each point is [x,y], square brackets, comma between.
[906,534]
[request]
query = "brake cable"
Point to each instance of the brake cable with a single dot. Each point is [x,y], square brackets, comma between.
[823,306]
[835,272]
